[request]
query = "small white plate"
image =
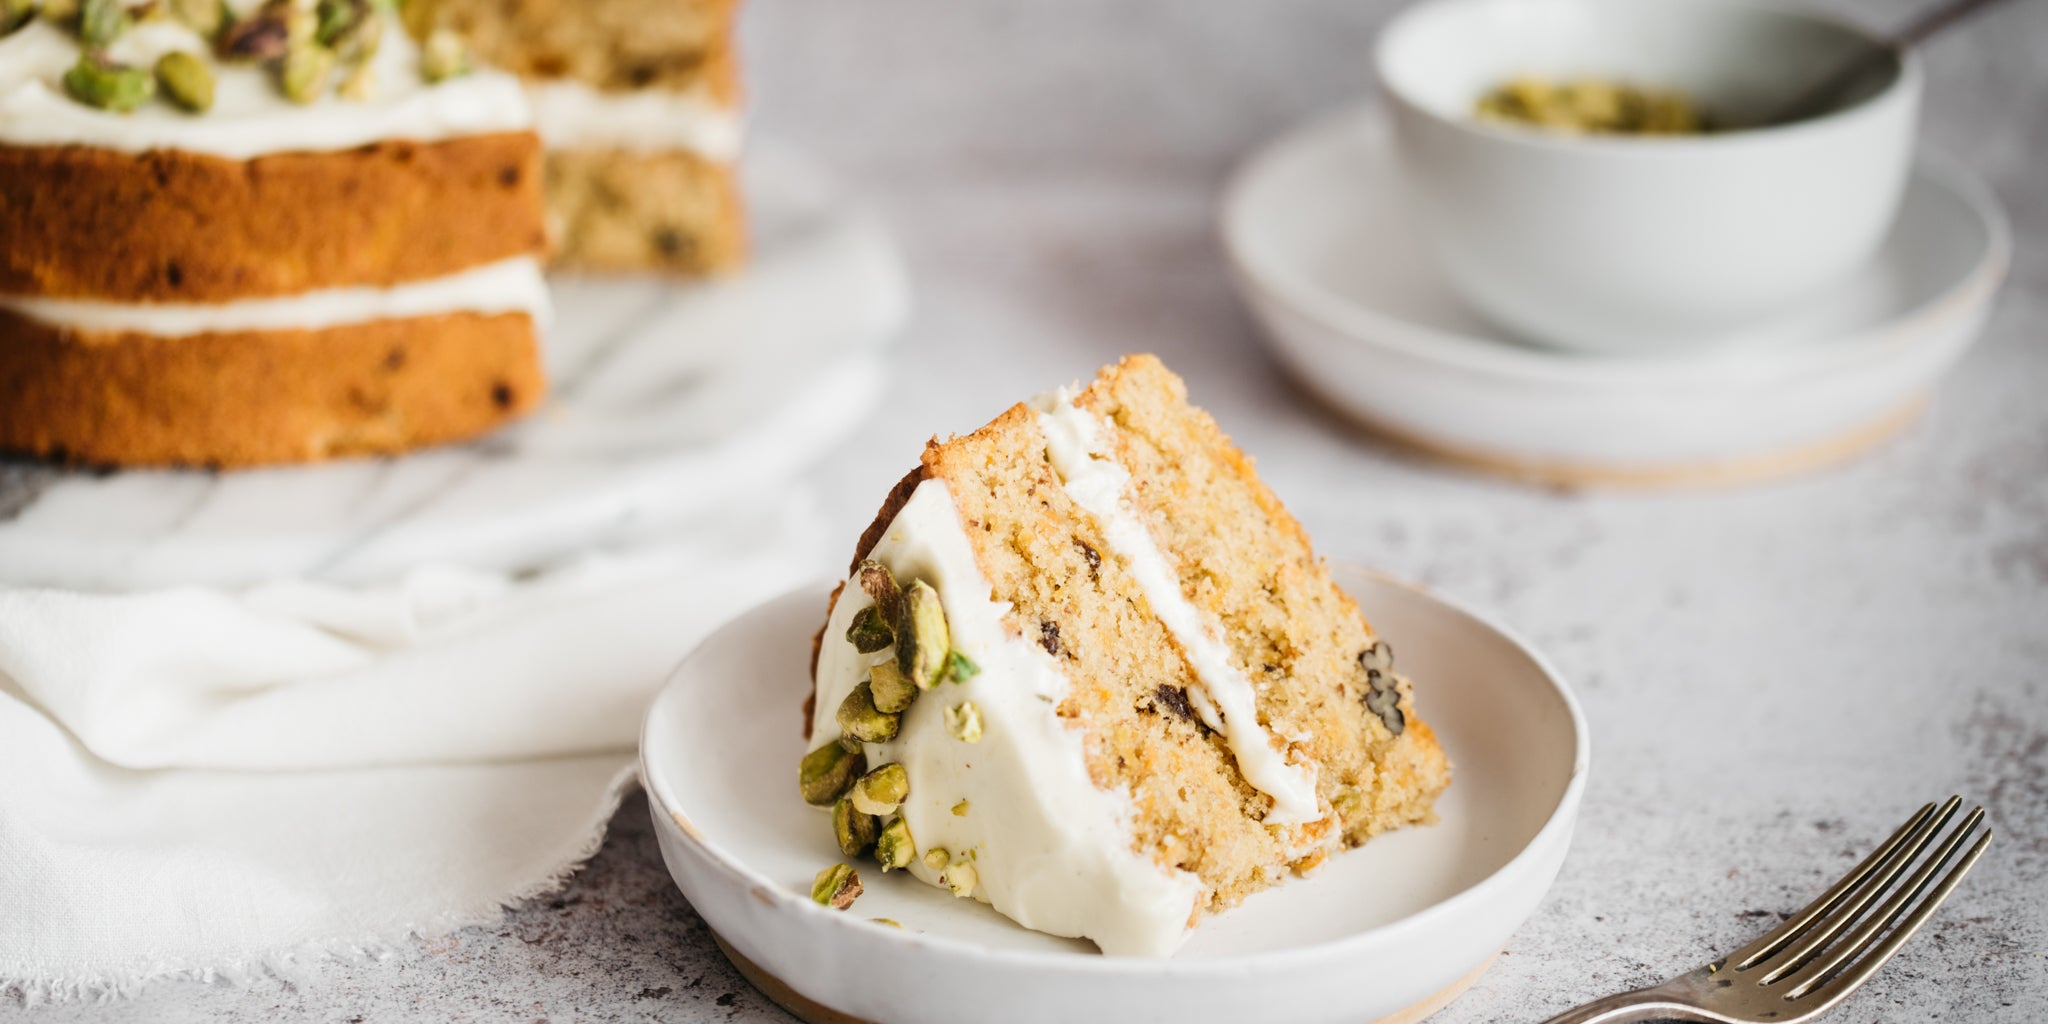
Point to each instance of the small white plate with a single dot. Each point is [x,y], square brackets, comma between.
[1325,256]
[1399,926]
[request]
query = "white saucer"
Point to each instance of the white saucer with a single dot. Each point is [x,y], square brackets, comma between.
[668,398]
[1317,233]
[1403,924]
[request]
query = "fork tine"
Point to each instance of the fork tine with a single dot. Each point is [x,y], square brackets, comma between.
[1777,938]
[1817,938]
[1867,934]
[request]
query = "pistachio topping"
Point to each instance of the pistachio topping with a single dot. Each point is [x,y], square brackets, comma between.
[828,772]
[880,584]
[854,831]
[936,858]
[890,921]
[961,878]
[893,847]
[1348,801]
[963,721]
[960,809]
[100,22]
[881,791]
[306,72]
[202,16]
[260,37]
[893,694]
[836,887]
[960,668]
[16,13]
[115,87]
[922,640]
[869,632]
[186,80]
[860,719]
[62,13]
[444,57]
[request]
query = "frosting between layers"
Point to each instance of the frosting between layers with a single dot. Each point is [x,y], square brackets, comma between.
[1226,701]
[507,286]
[250,116]
[572,115]
[1051,850]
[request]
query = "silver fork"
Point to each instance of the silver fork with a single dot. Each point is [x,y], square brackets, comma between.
[1798,970]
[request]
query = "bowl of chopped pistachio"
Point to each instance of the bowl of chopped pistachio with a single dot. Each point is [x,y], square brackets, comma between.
[1606,176]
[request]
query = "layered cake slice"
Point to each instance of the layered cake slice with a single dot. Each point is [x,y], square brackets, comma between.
[638,102]
[258,232]
[1088,670]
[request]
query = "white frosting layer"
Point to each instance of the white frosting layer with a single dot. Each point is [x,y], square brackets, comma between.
[250,117]
[572,115]
[1051,850]
[1226,700]
[508,286]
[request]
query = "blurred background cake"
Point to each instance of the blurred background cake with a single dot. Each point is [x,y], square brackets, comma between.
[258,232]
[638,102]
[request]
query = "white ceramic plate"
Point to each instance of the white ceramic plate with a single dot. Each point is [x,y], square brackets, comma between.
[1408,919]
[667,398]
[1327,260]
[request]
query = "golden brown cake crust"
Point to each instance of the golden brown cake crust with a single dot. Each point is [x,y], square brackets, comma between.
[618,210]
[169,226]
[250,398]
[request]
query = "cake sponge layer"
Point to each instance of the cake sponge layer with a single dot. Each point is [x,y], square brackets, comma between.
[618,210]
[169,226]
[612,44]
[248,398]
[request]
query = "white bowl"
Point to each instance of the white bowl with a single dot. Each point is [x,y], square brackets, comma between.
[1626,243]
[1411,918]
[1325,254]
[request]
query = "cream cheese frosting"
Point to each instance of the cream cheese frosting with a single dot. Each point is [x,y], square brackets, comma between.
[1224,698]
[250,116]
[572,115]
[1050,850]
[507,286]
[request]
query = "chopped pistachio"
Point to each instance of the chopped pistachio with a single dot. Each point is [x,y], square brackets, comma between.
[359,83]
[854,831]
[893,847]
[936,858]
[16,13]
[859,718]
[836,887]
[922,641]
[960,809]
[444,57]
[333,19]
[960,668]
[261,36]
[963,721]
[961,878]
[828,772]
[100,22]
[202,16]
[63,13]
[868,632]
[880,584]
[893,694]
[890,921]
[114,87]
[187,80]
[306,72]
[881,791]
[1348,801]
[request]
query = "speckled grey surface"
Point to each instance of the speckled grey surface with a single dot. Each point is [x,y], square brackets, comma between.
[1774,675]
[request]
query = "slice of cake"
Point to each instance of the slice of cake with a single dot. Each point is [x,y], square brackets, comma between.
[259,232]
[638,102]
[1088,670]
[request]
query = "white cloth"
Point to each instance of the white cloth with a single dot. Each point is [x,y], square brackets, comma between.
[202,782]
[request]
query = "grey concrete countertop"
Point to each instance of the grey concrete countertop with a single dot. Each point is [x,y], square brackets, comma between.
[1774,675]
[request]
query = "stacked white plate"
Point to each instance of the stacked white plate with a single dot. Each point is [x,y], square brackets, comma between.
[1327,260]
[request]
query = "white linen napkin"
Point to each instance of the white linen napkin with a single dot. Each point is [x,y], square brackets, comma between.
[199,782]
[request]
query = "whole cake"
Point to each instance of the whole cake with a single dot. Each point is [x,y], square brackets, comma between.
[638,102]
[259,232]
[1088,670]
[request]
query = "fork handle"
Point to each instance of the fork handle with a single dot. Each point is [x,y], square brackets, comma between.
[1627,1007]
